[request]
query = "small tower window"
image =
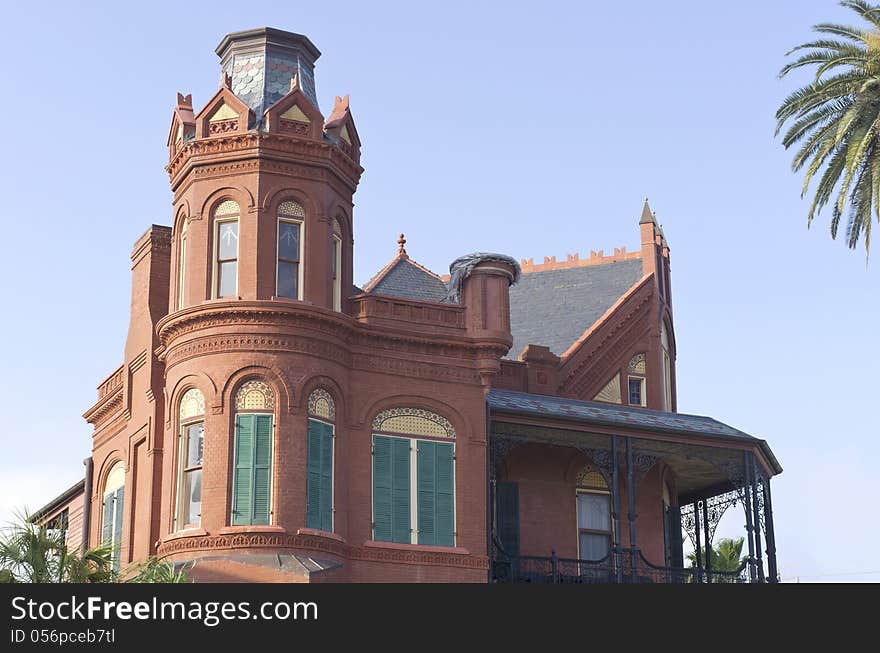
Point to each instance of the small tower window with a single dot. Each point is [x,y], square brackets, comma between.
[290,227]
[181,265]
[336,266]
[226,266]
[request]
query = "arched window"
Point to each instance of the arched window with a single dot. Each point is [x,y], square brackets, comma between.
[336,265]
[413,477]
[252,473]
[192,437]
[111,515]
[291,217]
[636,381]
[319,467]
[667,367]
[593,515]
[181,265]
[226,249]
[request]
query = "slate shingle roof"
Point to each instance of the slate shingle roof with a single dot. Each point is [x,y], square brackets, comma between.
[592,412]
[609,414]
[410,281]
[555,307]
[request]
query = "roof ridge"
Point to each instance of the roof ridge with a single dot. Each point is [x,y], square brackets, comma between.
[575,260]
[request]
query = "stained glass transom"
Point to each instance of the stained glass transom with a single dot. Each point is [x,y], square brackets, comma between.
[229,207]
[637,364]
[192,404]
[413,421]
[592,478]
[291,208]
[255,395]
[321,404]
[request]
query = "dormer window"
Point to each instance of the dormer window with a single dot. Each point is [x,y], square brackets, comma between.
[290,226]
[637,395]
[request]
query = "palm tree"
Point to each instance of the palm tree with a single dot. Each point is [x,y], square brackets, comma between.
[835,121]
[725,556]
[32,553]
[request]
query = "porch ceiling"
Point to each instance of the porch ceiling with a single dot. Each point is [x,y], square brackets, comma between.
[699,470]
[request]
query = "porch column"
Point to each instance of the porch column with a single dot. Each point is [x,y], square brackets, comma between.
[773,574]
[631,501]
[699,555]
[615,508]
[747,503]
[708,548]
[759,563]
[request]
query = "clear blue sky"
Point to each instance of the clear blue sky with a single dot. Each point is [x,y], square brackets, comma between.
[527,129]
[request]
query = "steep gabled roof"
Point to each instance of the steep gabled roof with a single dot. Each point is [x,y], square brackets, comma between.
[555,307]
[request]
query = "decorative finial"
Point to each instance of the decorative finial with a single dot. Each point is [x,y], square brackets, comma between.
[401,241]
[226,80]
[294,82]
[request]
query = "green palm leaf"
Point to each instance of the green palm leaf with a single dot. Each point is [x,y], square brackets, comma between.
[834,122]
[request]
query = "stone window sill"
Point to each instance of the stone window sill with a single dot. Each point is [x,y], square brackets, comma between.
[232,530]
[187,532]
[319,533]
[455,550]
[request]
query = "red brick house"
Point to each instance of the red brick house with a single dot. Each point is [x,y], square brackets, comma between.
[271,421]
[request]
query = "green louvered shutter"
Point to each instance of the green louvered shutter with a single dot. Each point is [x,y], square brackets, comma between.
[426,484]
[243,483]
[507,514]
[401,531]
[444,502]
[107,520]
[326,493]
[381,488]
[262,468]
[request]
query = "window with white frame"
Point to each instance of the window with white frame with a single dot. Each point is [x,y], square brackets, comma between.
[636,394]
[667,367]
[191,454]
[593,515]
[181,265]
[413,478]
[336,265]
[226,249]
[111,512]
[289,266]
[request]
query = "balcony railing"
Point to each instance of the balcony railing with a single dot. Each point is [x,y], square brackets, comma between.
[625,566]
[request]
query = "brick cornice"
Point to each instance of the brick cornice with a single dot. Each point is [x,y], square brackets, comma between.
[256,144]
[318,543]
[289,326]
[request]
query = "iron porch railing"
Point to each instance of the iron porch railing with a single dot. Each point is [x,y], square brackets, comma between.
[624,566]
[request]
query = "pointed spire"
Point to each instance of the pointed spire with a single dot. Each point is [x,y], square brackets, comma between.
[647,216]
[401,250]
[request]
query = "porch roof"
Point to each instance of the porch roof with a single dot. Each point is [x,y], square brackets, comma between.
[611,415]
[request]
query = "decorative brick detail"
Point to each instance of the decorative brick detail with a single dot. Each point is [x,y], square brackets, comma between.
[575,260]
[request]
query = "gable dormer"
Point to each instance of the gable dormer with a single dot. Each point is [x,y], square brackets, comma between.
[340,129]
[224,114]
[294,114]
[183,125]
